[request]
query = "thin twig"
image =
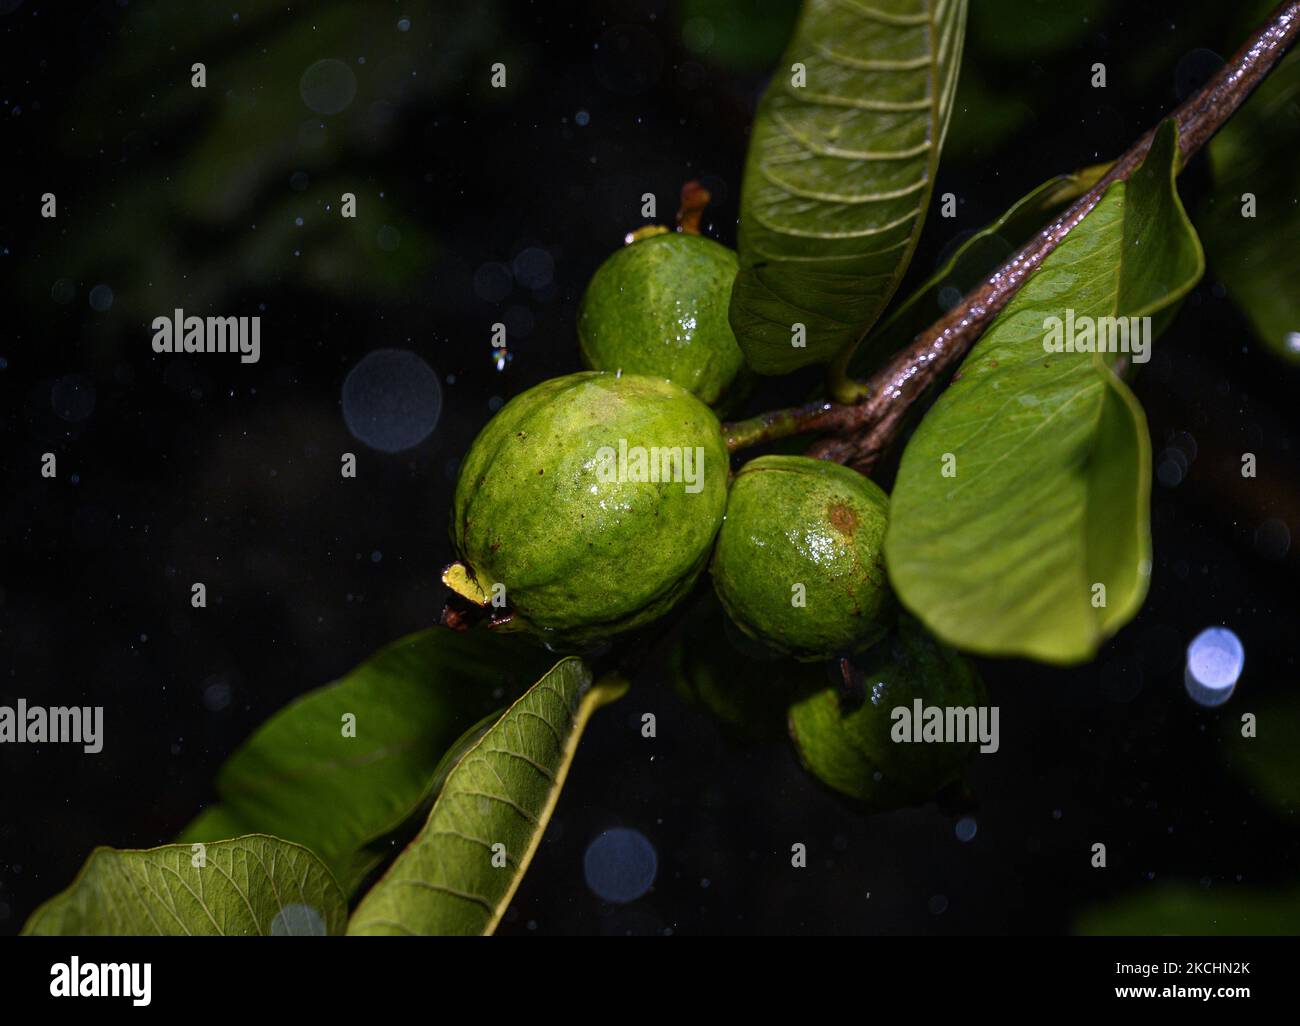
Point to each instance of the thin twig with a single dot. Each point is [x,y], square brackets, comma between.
[867,429]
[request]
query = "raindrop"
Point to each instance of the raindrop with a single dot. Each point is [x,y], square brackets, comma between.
[391,400]
[328,86]
[1214,662]
[534,268]
[73,398]
[298,920]
[101,298]
[492,282]
[63,291]
[403,24]
[620,865]
[1273,539]
[966,829]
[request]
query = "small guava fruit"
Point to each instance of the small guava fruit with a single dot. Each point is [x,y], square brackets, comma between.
[659,307]
[799,561]
[880,743]
[589,504]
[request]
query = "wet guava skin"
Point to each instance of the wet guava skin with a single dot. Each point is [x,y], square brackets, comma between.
[659,307]
[583,558]
[794,520]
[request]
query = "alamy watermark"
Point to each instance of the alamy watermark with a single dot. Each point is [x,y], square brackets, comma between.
[953,724]
[1098,335]
[181,334]
[35,724]
[667,465]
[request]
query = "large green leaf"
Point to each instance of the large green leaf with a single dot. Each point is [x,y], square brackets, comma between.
[1257,257]
[1183,909]
[847,740]
[1028,482]
[249,886]
[494,806]
[302,778]
[839,173]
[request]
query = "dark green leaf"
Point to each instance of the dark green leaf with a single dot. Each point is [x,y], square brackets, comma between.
[254,885]
[839,174]
[495,805]
[1258,257]
[1027,485]
[300,777]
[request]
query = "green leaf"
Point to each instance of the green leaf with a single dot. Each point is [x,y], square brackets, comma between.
[502,791]
[299,777]
[846,740]
[970,263]
[1182,909]
[839,174]
[254,885]
[1257,257]
[1048,460]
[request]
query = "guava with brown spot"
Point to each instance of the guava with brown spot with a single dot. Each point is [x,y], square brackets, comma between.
[799,562]
[593,500]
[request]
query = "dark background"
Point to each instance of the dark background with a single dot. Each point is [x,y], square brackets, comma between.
[174,469]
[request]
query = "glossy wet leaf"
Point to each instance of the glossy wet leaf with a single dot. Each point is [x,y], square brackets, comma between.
[1020,515]
[1185,909]
[1257,257]
[247,886]
[501,792]
[845,737]
[299,776]
[968,265]
[839,173]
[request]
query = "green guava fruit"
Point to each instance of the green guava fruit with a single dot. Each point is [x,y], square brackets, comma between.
[864,744]
[589,504]
[799,561]
[659,307]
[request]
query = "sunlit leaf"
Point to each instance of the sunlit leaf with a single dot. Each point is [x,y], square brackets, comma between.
[254,885]
[1020,516]
[460,872]
[840,168]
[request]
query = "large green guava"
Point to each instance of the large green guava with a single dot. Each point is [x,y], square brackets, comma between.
[799,561]
[589,504]
[659,307]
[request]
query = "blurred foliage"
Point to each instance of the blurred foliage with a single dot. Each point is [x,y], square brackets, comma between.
[1185,909]
[742,35]
[212,181]
[1269,762]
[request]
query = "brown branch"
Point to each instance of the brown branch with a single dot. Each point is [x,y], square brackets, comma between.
[868,428]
